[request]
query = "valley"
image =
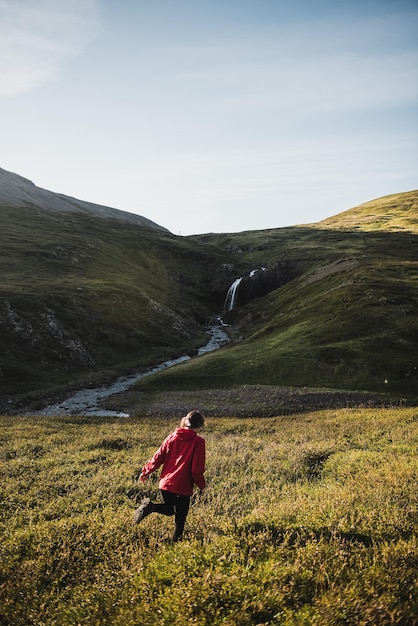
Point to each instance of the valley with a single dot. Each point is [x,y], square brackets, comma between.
[85,299]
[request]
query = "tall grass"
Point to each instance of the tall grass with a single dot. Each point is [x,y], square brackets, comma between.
[309,519]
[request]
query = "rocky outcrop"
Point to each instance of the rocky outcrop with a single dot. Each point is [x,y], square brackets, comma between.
[261,281]
[46,335]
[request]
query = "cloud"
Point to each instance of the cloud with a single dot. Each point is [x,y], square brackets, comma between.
[37,36]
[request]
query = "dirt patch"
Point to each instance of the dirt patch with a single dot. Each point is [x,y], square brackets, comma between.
[244,401]
[340,265]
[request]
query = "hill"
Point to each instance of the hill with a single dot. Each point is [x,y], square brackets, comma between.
[84,297]
[394,213]
[18,191]
[345,316]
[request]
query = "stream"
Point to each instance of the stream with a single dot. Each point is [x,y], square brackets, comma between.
[87,402]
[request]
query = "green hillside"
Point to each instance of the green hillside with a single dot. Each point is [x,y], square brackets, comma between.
[81,294]
[348,320]
[397,212]
[82,298]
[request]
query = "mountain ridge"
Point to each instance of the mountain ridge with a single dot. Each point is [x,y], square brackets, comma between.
[19,191]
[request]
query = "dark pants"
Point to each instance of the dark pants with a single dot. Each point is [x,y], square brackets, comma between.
[176,505]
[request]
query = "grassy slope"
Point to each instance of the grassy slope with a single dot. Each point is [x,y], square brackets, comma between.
[397,212]
[130,295]
[309,519]
[348,321]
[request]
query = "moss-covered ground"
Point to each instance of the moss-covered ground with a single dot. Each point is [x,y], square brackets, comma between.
[307,519]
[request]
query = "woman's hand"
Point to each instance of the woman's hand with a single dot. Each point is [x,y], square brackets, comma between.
[142,479]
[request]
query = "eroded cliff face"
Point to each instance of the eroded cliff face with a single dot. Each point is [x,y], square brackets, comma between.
[258,282]
[44,334]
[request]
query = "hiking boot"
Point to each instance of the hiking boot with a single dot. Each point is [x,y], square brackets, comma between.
[145,509]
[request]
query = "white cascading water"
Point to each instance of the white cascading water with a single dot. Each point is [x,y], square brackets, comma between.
[231,296]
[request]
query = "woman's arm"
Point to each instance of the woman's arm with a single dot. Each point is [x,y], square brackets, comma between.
[154,463]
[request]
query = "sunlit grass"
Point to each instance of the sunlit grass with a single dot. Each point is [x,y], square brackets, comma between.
[309,519]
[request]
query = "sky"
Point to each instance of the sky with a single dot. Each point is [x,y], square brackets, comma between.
[212,115]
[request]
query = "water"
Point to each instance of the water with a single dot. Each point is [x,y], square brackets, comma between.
[87,401]
[217,340]
[231,296]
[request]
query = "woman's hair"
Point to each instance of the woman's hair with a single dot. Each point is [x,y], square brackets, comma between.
[193,419]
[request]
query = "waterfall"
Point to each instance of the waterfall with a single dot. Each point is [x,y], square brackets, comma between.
[231,296]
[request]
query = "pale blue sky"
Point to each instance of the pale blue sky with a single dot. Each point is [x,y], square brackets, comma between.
[212,115]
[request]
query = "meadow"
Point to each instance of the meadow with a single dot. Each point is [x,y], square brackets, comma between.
[308,519]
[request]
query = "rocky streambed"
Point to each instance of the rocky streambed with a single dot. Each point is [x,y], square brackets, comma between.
[89,402]
[245,401]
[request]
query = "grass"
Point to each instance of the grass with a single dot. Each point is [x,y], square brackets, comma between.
[397,212]
[345,323]
[307,519]
[130,296]
[83,297]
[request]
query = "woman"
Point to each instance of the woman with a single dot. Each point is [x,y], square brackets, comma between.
[182,455]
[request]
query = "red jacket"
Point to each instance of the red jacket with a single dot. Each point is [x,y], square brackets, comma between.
[182,455]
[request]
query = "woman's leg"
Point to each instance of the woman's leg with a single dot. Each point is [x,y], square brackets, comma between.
[181,511]
[176,505]
[169,503]
[148,507]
